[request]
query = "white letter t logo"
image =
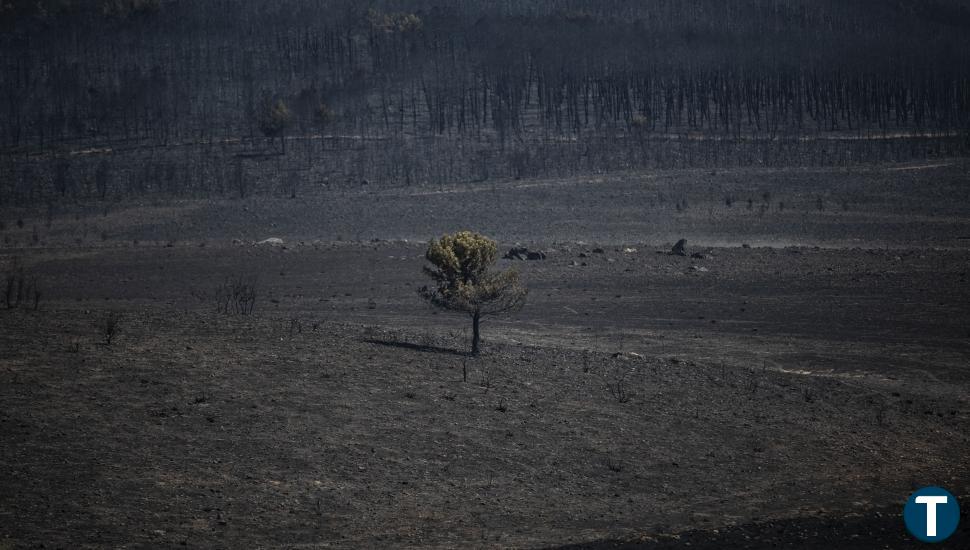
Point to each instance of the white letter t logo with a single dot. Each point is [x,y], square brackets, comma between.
[930,503]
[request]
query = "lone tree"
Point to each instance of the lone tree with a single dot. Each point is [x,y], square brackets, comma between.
[460,269]
[274,118]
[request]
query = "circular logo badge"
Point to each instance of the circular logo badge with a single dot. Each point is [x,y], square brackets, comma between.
[931,514]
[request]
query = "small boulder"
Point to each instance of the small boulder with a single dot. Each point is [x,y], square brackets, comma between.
[698,256]
[598,251]
[272,241]
[679,249]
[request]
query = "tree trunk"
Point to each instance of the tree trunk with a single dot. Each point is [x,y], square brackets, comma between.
[476,317]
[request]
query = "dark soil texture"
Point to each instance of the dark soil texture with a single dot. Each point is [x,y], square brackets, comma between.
[788,387]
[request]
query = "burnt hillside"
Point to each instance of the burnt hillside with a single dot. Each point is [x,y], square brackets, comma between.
[465,90]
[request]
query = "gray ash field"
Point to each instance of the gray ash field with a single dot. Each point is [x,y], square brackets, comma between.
[765,394]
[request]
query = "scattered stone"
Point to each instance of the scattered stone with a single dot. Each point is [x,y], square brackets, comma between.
[745,245]
[598,251]
[629,250]
[583,255]
[701,269]
[679,249]
[272,241]
[698,256]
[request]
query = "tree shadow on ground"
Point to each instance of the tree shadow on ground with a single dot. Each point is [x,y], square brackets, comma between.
[416,347]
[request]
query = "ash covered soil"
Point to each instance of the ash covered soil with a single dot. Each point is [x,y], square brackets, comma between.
[789,393]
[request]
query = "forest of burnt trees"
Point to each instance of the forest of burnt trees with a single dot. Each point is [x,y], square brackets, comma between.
[113,98]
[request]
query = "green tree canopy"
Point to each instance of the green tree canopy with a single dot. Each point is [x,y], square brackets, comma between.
[274,118]
[461,270]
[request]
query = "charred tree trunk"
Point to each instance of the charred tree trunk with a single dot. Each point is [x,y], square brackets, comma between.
[476,319]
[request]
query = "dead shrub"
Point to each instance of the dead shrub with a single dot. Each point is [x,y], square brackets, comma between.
[20,288]
[236,296]
[109,327]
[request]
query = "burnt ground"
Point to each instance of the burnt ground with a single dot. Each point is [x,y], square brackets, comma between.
[787,394]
